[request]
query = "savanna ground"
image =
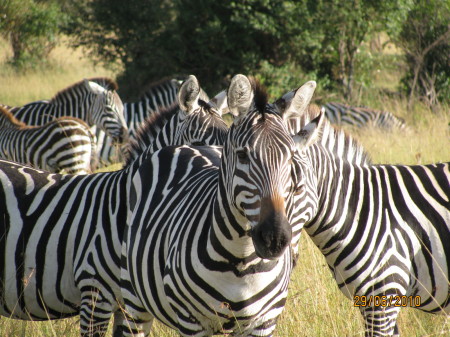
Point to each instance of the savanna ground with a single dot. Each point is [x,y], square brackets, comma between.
[315,306]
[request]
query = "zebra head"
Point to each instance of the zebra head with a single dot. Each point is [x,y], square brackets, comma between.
[257,170]
[200,123]
[107,111]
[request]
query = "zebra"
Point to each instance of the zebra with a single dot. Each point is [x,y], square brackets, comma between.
[63,145]
[97,105]
[157,96]
[334,139]
[384,231]
[61,236]
[207,126]
[342,114]
[207,243]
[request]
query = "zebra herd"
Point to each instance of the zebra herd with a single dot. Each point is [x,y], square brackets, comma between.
[201,227]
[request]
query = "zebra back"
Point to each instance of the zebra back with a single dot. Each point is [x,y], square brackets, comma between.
[342,114]
[63,145]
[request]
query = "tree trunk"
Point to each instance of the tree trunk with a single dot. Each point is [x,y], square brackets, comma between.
[16,45]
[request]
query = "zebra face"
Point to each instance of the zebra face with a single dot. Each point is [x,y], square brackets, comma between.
[259,154]
[107,113]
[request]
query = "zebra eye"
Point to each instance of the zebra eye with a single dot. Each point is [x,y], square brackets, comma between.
[299,189]
[242,156]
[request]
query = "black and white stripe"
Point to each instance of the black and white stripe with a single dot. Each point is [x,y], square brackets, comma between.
[157,97]
[61,237]
[63,145]
[342,114]
[207,249]
[384,231]
[97,105]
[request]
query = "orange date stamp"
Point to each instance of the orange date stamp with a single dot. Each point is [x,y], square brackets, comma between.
[386,301]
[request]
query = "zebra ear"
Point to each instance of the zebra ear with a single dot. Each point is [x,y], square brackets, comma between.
[219,102]
[188,94]
[240,96]
[94,87]
[295,103]
[310,133]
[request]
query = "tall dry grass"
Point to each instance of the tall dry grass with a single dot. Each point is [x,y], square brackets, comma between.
[65,68]
[315,306]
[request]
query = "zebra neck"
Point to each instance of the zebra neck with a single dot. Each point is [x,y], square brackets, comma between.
[77,105]
[341,197]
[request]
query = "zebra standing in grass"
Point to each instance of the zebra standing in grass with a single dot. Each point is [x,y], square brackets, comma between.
[207,249]
[342,114]
[65,144]
[97,105]
[61,235]
[385,233]
[335,140]
[157,96]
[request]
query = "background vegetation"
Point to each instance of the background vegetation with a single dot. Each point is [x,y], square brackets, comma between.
[280,41]
[283,43]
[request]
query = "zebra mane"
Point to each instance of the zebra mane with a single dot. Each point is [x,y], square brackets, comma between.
[337,140]
[6,117]
[149,129]
[105,82]
[261,96]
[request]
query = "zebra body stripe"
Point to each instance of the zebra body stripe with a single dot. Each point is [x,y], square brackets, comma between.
[66,144]
[61,237]
[193,256]
[87,100]
[342,114]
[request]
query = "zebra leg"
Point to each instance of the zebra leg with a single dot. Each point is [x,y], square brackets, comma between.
[266,329]
[132,323]
[95,313]
[380,321]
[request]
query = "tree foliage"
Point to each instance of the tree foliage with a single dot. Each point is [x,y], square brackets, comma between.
[425,39]
[31,27]
[282,42]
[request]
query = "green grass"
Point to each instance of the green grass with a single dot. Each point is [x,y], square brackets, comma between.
[315,306]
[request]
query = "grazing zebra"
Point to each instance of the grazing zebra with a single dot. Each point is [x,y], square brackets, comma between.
[65,144]
[157,96]
[206,248]
[61,237]
[87,100]
[341,114]
[385,233]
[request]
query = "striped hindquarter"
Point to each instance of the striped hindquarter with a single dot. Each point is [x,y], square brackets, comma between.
[64,145]
[206,250]
[61,236]
[384,229]
[399,242]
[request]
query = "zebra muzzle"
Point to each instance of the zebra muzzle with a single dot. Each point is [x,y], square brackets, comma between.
[273,234]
